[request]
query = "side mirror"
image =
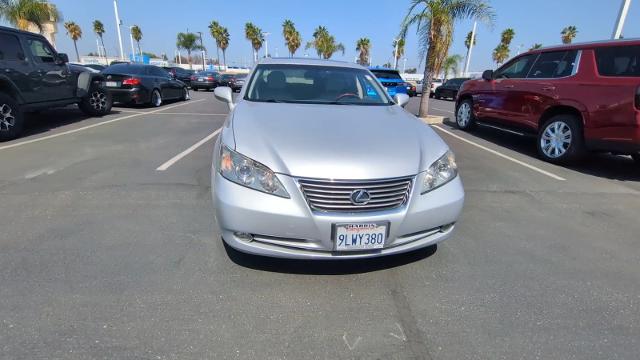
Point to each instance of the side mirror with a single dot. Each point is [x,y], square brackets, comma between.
[62,59]
[224,93]
[487,75]
[401,99]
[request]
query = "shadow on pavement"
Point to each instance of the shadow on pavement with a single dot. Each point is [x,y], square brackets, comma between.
[604,165]
[326,267]
[47,120]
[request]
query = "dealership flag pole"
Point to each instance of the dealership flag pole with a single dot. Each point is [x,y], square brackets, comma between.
[118,23]
[473,37]
[622,16]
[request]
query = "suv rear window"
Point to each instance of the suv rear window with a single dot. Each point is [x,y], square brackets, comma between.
[554,64]
[386,74]
[10,48]
[619,61]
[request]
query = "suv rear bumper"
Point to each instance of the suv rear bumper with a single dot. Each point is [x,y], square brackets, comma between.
[623,140]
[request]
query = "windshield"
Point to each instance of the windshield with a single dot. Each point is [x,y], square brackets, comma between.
[315,85]
[386,74]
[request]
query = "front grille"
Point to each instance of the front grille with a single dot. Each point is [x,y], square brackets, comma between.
[335,195]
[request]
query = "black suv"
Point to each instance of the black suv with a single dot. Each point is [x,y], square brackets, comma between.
[33,76]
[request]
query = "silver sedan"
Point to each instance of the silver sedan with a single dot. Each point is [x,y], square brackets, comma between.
[317,161]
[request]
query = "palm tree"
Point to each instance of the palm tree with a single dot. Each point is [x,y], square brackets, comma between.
[75,33]
[216,33]
[136,33]
[451,65]
[467,40]
[24,13]
[535,46]
[363,46]
[330,46]
[400,53]
[291,36]
[435,21]
[98,28]
[507,36]
[224,43]
[255,36]
[500,53]
[188,42]
[568,34]
[320,36]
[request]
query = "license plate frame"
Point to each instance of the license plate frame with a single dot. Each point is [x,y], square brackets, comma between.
[112,84]
[379,246]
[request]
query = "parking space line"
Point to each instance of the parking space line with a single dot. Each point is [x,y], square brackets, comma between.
[26,142]
[528,166]
[188,151]
[193,114]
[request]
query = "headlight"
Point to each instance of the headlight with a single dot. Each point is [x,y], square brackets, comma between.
[440,172]
[246,172]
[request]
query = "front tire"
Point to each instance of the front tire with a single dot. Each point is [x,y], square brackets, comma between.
[185,94]
[465,119]
[156,98]
[560,140]
[11,118]
[97,103]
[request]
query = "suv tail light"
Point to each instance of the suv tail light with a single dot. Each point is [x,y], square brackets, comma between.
[210,78]
[131,81]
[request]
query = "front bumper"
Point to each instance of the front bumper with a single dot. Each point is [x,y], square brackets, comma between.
[288,228]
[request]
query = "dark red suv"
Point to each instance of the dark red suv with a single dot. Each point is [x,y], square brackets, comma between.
[574,98]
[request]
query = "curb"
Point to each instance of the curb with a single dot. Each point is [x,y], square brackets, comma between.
[432,119]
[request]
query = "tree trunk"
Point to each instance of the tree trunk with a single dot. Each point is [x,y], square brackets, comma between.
[139,51]
[426,87]
[218,53]
[224,56]
[189,56]
[104,49]
[75,44]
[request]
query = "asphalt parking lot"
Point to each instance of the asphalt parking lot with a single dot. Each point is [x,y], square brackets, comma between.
[108,250]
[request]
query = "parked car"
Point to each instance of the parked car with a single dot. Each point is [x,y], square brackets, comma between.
[411,89]
[97,67]
[391,80]
[207,80]
[449,89]
[435,83]
[81,68]
[234,81]
[34,77]
[180,74]
[318,161]
[573,98]
[143,84]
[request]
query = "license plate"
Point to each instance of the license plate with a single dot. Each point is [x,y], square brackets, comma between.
[200,79]
[113,84]
[360,236]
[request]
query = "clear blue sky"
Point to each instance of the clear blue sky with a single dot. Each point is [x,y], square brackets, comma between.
[538,21]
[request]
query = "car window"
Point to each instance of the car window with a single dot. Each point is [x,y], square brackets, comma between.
[386,74]
[554,64]
[10,49]
[517,68]
[315,85]
[619,61]
[156,71]
[41,51]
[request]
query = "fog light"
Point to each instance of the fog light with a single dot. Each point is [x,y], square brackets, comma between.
[445,228]
[243,236]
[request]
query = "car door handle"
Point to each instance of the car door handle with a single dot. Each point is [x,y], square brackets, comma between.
[508,86]
[548,88]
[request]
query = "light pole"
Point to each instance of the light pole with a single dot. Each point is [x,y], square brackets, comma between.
[395,54]
[202,52]
[118,23]
[473,38]
[266,43]
[133,51]
[622,16]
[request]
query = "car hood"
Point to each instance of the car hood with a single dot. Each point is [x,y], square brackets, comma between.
[335,141]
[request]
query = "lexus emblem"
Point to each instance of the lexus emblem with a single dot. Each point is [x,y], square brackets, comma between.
[360,197]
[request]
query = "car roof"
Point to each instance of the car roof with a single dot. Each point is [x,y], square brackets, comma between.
[310,62]
[585,45]
[16,31]
[380,68]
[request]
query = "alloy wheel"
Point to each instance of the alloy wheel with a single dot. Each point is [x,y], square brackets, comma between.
[556,139]
[464,115]
[7,119]
[156,99]
[98,100]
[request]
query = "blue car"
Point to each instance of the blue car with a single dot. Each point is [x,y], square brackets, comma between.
[391,80]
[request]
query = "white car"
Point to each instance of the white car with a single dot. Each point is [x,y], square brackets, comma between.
[317,161]
[435,83]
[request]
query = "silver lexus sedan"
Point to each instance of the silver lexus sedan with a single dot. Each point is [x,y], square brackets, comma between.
[317,161]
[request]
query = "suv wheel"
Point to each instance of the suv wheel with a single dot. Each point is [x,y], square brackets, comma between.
[560,139]
[464,115]
[185,94]
[97,103]
[156,98]
[11,119]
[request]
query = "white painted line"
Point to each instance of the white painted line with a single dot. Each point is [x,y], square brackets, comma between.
[528,166]
[443,110]
[194,114]
[191,149]
[91,126]
[129,111]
